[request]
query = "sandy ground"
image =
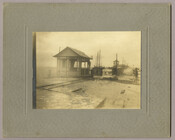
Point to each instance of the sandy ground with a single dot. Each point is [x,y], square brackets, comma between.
[91,94]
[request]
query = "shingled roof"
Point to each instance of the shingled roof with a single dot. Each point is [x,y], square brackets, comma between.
[78,52]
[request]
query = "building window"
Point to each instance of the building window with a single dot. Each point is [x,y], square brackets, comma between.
[76,64]
[84,65]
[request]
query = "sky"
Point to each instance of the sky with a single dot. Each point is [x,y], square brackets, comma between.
[126,44]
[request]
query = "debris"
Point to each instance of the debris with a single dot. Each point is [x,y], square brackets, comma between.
[122,92]
[101,104]
[113,102]
[79,89]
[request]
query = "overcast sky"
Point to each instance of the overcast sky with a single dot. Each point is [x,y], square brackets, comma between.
[127,44]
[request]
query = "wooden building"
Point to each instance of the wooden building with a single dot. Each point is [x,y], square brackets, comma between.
[72,63]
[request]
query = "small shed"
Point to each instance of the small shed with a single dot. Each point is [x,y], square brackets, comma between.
[72,63]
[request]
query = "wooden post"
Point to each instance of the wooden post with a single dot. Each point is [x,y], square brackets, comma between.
[80,66]
[66,67]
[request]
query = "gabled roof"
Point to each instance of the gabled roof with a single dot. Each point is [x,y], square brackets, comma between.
[78,52]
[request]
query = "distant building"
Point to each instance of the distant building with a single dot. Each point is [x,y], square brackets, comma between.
[72,63]
[115,67]
[107,73]
[97,71]
[115,63]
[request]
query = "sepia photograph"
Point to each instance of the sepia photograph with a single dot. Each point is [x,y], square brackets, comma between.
[87,70]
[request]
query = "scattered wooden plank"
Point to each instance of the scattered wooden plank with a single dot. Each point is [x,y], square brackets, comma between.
[102,103]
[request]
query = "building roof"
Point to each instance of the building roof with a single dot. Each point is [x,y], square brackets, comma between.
[78,52]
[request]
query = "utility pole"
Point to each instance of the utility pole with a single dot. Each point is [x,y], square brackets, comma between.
[116,57]
[97,60]
[116,65]
[99,57]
